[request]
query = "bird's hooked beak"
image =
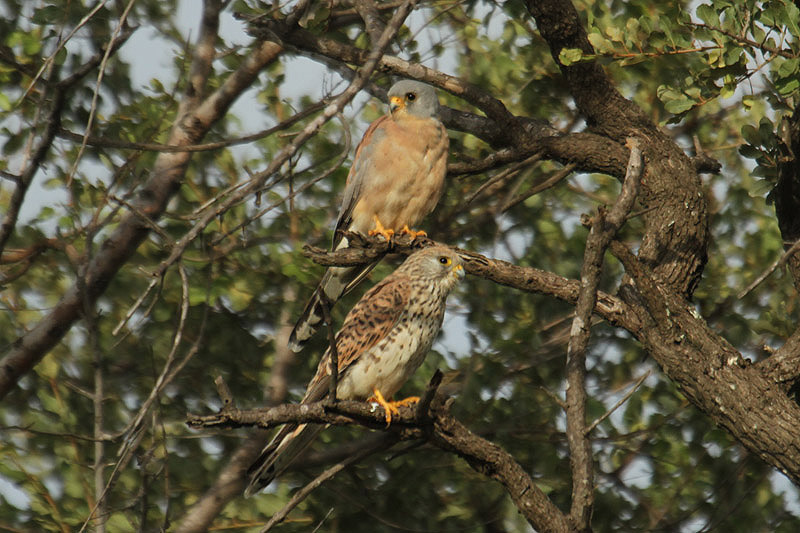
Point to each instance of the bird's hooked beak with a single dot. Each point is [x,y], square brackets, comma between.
[458,272]
[395,103]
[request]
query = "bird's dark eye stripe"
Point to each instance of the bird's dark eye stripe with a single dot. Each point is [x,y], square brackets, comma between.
[410,97]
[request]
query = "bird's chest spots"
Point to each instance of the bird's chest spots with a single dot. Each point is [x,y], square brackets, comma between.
[390,363]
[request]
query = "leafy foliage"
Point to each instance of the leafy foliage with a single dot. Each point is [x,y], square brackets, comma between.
[725,73]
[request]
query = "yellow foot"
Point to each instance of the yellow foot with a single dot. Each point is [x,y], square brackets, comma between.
[391,407]
[380,230]
[412,233]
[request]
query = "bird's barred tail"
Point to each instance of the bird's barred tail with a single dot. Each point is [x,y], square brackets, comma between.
[333,285]
[276,457]
[336,282]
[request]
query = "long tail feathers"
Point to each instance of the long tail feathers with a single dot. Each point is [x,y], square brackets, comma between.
[332,285]
[279,454]
[335,283]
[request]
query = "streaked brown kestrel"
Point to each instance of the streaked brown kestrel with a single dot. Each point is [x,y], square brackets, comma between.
[396,179]
[383,340]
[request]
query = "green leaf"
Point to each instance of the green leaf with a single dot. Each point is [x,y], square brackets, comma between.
[750,151]
[707,14]
[679,105]
[600,43]
[788,67]
[615,33]
[49,14]
[787,86]
[761,188]
[568,56]
[751,135]
[791,18]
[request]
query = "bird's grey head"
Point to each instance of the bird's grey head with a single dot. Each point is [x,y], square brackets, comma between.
[413,97]
[438,263]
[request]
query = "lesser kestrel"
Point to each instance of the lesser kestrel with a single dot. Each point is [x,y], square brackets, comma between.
[383,340]
[396,179]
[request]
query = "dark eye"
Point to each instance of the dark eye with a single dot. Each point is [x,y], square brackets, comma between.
[444,260]
[411,97]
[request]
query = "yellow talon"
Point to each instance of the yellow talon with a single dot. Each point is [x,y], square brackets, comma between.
[380,230]
[412,233]
[391,407]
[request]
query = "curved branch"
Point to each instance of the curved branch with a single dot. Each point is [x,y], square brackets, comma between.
[603,229]
[363,250]
[53,125]
[515,138]
[165,179]
[440,428]
[677,234]
[712,374]
[595,95]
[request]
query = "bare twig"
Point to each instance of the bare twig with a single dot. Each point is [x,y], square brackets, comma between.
[536,188]
[498,179]
[204,147]
[778,263]
[86,18]
[601,233]
[163,379]
[301,494]
[293,193]
[224,392]
[621,401]
[168,171]
[96,93]
[427,397]
[91,319]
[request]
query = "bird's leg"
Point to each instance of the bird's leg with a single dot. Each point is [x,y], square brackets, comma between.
[380,230]
[406,401]
[413,234]
[390,408]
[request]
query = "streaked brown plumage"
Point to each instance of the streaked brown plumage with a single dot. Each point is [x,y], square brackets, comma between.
[396,179]
[383,340]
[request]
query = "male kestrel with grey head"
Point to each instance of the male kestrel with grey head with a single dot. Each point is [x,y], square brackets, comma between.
[383,340]
[396,179]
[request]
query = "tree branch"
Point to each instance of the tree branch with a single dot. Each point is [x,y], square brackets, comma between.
[230,480]
[676,236]
[442,429]
[363,250]
[603,229]
[372,18]
[53,125]
[711,373]
[168,172]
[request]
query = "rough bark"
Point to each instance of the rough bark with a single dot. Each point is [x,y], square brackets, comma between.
[787,190]
[676,236]
[436,425]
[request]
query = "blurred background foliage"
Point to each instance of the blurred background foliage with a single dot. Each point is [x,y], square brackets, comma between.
[720,75]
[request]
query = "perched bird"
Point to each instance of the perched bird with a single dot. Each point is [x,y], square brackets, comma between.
[383,340]
[396,179]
